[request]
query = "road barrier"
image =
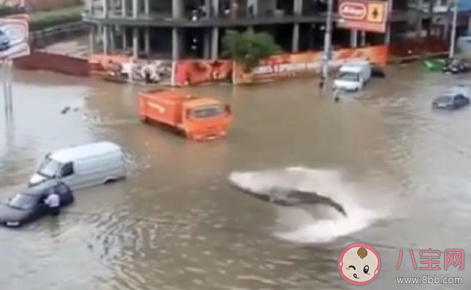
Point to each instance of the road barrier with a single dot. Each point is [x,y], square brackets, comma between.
[39,60]
[42,38]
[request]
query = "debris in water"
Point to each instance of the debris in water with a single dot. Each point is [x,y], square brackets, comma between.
[65,110]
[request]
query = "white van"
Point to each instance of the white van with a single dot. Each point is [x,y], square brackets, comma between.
[353,75]
[83,166]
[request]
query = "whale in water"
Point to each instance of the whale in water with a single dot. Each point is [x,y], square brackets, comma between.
[283,196]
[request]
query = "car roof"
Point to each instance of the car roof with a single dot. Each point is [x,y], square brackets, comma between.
[39,189]
[84,151]
[352,67]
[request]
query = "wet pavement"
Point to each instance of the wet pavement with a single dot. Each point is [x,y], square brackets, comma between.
[177,224]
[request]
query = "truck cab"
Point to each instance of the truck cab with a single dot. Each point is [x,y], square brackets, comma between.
[205,119]
[353,75]
[199,118]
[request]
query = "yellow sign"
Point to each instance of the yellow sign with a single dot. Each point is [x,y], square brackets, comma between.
[376,12]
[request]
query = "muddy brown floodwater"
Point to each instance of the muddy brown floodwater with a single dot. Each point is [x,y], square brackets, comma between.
[177,224]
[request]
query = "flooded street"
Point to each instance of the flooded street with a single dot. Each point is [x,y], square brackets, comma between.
[176,223]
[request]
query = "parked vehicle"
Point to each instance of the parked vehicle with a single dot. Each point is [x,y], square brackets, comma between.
[29,204]
[353,75]
[377,71]
[199,118]
[456,66]
[83,166]
[4,41]
[453,99]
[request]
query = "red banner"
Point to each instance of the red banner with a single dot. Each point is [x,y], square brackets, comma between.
[301,64]
[198,72]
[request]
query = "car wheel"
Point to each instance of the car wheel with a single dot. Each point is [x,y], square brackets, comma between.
[110,181]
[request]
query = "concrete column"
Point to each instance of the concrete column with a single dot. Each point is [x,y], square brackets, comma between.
[105,8]
[124,8]
[176,9]
[387,35]
[135,8]
[354,38]
[91,39]
[175,44]
[147,7]
[215,7]
[254,4]
[112,36]
[124,39]
[207,7]
[298,7]
[147,41]
[207,44]
[135,42]
[105,38]
[363,39]
[89,7]
[418,24]
[111,7]
[295,39]
[215,43]
[176,13]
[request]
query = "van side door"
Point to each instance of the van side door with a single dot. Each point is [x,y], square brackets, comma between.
[67,174]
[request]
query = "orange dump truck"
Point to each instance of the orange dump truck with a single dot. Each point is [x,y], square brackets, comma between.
[199,118]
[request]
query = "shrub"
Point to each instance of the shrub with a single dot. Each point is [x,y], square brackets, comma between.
[249,47]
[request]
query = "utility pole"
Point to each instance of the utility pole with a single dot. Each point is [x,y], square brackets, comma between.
[451,53]
[327,42]
[6,66]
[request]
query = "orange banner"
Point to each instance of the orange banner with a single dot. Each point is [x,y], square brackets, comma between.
[301,64]
[198,72]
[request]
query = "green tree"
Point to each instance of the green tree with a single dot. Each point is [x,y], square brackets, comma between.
[5,10]
[248,47]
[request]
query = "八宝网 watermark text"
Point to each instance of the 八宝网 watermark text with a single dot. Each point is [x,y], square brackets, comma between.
[431,258]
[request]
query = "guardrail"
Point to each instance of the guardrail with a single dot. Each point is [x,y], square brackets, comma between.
[42,38]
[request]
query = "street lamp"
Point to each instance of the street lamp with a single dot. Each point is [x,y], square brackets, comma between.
[451,53]
[327,41]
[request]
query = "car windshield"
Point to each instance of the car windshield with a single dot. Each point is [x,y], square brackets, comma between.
[445,99]
[349,76]
[49,168]
[23,201]
[207,111]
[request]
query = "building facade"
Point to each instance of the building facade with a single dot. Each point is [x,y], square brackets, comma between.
[181,29]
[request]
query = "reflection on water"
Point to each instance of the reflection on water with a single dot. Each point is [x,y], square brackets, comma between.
[177,224]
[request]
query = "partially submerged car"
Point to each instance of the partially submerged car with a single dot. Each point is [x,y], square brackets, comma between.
[4,41]
[455,66]
[453,99]
[29,204]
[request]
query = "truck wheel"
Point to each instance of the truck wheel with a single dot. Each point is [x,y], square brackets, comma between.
[189,135]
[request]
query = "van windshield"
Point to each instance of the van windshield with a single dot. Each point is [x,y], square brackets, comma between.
[206,112]
[49,168]
[349,76]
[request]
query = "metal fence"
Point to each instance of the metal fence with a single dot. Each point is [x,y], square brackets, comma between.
[42,38]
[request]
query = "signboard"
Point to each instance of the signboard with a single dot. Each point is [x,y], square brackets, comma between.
[14,34]
[363,15]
